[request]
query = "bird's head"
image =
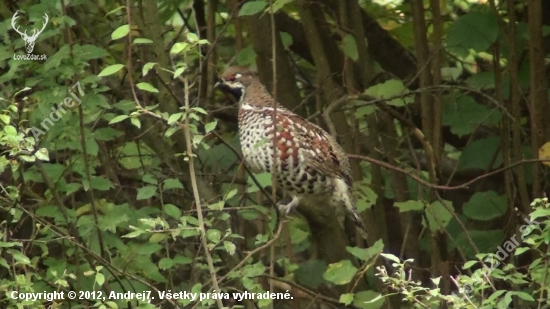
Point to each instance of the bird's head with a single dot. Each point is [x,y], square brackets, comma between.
[235,80]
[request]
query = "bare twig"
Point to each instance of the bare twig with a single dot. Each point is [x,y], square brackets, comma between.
[251,253]
[310,292]
[275,129]
[192,175]
[440,187]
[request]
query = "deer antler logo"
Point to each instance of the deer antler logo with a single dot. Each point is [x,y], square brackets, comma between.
[29,40]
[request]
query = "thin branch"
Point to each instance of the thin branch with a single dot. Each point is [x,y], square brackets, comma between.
[275,129]
[310,292]
[189,153]
[194,185]
[252,253]
[440,187]
[369,100]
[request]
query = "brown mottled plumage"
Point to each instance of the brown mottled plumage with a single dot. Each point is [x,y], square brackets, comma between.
[310,162]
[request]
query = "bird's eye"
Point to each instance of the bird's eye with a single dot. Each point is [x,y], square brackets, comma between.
[230,78]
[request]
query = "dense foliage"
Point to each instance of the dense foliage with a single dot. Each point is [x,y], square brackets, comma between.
[121,177]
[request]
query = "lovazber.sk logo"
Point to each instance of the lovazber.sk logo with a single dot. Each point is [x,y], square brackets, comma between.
[29,39]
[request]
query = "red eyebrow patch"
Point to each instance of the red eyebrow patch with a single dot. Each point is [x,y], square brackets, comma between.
[230,78]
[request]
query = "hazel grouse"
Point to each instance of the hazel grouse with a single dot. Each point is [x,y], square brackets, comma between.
[310,161]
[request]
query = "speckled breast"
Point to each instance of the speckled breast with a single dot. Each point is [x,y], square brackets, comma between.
[256,138]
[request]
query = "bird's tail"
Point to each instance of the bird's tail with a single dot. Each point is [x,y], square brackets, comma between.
[346,197]
[357,219]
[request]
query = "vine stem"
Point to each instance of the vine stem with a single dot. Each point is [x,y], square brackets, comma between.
[194,186]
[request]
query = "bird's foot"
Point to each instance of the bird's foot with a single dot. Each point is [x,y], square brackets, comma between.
[287,204]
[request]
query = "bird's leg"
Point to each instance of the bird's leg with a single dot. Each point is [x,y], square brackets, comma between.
[287,204]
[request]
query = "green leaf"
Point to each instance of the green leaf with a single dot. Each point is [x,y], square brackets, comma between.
[118,119]
[349,45]
[391,257]
[4,263]
[366,197]
[485,206]
[133,234]
[246,56]
[112,69]
[346,299]
[199,110]
[147,87]
[451,73]
[286,39]
[340,273]
[192,37]
[278,4]
[521,250]
[230,194]
[99,278]
[438,215]
[101,183]
[368,300]
[120,32]
[464,115]
[410,205]
[479,154]
[229,247]
[106,134]
[214,235]
[252,7]
[147,67]
[485,241]
[495,295]
[392,88]
[475,30]
[19,257]
[5,119]
[165,263]
[253,270]
[135,121]
[182,260]
[42,154]
[142,41]
[172,183]
[365,254]
[522,295]
[54,170]
[115,10]
[179,47]
[264,179]
[174,118]
[146,192]
[10,130]
[172,210]
[88,52]
[91,146]
[363,110]
[210,126]
[482,80]
[178,72]
[150,179]
[157,237]
[297,234]
[310,273]
[170,131]
[469,264]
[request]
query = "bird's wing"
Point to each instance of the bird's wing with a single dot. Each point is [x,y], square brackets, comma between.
[320,149]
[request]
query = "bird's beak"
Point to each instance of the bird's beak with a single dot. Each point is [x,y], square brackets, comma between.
[218,83]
